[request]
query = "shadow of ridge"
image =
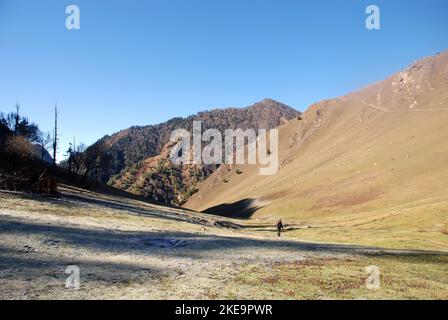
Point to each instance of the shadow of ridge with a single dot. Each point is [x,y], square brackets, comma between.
[91,271]
[132,242]
[242,209]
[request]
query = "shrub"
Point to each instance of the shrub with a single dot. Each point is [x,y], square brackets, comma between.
[19,146]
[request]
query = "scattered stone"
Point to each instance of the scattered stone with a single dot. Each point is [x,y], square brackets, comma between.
[202,222]
[5,274]
[165,243]
[26,249]
[226,224]
[50,242]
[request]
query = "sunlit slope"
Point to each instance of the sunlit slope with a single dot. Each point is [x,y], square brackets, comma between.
[374,159]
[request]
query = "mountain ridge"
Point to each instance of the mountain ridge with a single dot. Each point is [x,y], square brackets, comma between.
[360,157]
[130,150]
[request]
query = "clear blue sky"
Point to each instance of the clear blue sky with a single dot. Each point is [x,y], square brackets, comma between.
[143,62]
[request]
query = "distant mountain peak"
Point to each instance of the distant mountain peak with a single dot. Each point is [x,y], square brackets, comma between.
[270,105]
[136,153]
[270,102]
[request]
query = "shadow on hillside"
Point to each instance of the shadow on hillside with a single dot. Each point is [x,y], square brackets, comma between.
[243,209]
[196,245]
[79,201]
[54,267]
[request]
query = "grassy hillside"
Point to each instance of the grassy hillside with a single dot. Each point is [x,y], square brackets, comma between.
[369,167]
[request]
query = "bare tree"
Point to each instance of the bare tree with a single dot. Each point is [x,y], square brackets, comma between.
[44,141]
[55,135]
[17,119]
[20,126]
[80,148]
[79,159]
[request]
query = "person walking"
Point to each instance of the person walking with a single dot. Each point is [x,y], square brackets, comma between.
[279,227]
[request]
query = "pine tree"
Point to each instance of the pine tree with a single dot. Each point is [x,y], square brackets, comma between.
[70,155]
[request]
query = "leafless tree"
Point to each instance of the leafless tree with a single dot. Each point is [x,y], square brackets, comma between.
[55,135]
[44,141]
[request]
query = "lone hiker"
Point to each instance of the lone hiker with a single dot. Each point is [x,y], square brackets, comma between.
[279,227]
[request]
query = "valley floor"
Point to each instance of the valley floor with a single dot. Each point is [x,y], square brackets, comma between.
[126,249]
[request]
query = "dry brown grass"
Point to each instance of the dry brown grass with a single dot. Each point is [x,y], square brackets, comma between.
[363,168]
[411,277]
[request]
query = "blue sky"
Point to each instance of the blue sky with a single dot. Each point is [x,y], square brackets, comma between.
[143,62]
